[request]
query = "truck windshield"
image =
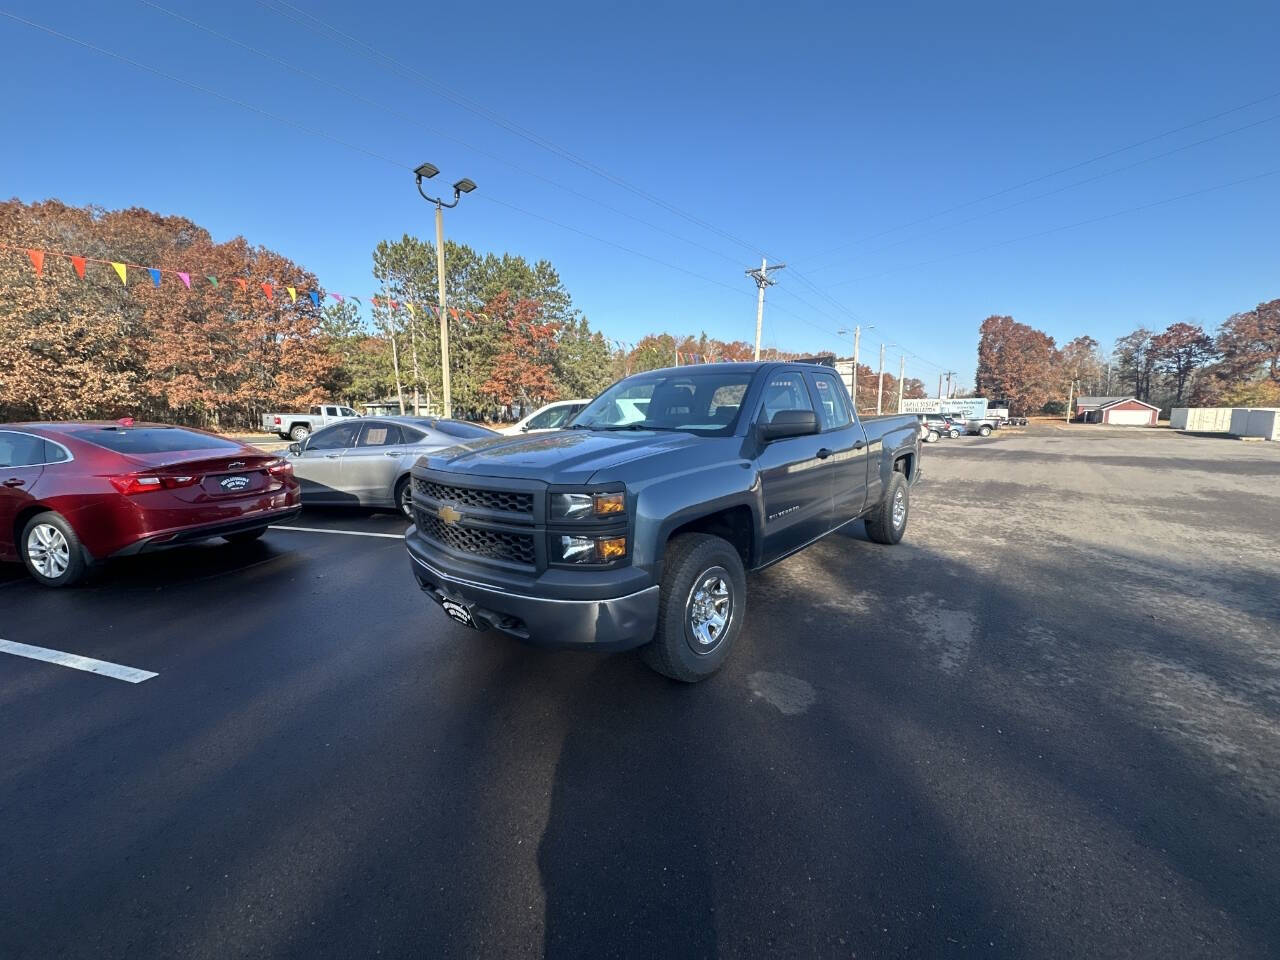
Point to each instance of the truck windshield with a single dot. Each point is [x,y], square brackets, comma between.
[704,402]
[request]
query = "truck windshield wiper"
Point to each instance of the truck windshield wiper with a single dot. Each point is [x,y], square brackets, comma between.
[639,425]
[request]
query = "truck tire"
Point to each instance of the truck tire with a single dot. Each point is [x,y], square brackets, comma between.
[701,605]
[299,432]
[51,551]
[984,431]
[932,436]
[888,521]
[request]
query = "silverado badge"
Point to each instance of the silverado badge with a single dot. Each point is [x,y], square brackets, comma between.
[449,515]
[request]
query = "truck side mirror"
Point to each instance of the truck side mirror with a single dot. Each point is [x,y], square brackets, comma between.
[295,448]
[789,423]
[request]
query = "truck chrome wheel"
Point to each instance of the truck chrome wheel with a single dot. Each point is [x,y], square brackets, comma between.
[48,551]
[899,508]
[709,609]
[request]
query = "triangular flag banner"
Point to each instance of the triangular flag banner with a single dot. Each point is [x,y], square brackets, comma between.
[357,300]
[454,311]
[121,271]
[244,284]
[266,288]
[373,300]
[293,294]
[411,313]
[37,260]
[155,275]
[78,263]
[336,296]
[315,299]
[214,281]
[185,278]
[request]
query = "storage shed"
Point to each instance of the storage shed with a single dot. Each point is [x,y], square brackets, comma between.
[1118,411]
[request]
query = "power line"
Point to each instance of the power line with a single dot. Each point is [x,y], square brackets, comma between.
[1065,226]
[409,118]
[481,110]
[1062,189]
[1051,174]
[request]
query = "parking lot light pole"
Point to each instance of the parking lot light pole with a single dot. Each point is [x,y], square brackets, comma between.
[880,389]
[464,185]
[902,372]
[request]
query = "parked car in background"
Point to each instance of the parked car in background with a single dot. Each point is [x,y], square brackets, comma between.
[623,532]
[299,426]
[75,493]
[366,462]
[935,426]
[553,416]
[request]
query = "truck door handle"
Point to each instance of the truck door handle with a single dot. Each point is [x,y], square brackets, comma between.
[14,482]
[824,453]
[332,456]
[393,453]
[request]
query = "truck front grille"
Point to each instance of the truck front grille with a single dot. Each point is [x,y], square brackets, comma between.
[505,501]
[481,542]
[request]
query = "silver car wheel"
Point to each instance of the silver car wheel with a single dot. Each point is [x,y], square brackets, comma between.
[899,509]
[406,500]
[709,609]
[48,551]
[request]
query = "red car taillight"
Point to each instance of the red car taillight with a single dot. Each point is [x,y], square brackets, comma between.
[134,483]
[280,468]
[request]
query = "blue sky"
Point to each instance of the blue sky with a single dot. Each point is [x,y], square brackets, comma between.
[810,132]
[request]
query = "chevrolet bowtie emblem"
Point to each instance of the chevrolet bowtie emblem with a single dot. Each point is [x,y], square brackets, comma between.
[449,515]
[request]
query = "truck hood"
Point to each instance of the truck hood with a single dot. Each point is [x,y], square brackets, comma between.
[562,456]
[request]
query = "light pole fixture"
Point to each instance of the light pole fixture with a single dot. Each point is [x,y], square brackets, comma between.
[425,171]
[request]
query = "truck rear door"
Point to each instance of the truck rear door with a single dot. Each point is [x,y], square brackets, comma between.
[795,478]
[846,443]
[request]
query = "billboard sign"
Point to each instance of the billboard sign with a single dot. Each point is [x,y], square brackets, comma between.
[970,408]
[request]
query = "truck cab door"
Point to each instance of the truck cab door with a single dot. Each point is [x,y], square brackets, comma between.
[847,441]
[795,477]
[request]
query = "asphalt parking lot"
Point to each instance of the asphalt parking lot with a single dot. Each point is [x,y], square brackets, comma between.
[1046,725]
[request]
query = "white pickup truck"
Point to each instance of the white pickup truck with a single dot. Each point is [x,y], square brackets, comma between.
[299,426]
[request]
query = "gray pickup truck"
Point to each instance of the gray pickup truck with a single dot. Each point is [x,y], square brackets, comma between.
[636,526]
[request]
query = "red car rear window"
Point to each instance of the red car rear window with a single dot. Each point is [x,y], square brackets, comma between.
[152,439]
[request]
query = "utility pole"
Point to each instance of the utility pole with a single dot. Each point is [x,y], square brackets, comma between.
[880,389]
[1070,391]
[902,371]
[950,373]
[762,280]
[939,386]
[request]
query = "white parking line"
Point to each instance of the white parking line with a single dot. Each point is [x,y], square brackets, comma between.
[76,662]
[348,533]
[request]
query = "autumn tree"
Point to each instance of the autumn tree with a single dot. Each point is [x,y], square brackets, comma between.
[1179,352]
[1135,360]
[524,371]
[1018,363]
[1250,343]
[1081,361]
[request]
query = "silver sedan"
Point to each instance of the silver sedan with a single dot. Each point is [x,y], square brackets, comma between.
[366,461]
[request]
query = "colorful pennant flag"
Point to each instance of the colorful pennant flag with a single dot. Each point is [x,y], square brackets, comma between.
[293,294]
[185,278]
[37,260]
[78,263]
[357,300]
[336,296]
[155,275]
[244,284]
[122,272]
[315,299]
[411,313]
[454,311]
[213,280]
[266,288]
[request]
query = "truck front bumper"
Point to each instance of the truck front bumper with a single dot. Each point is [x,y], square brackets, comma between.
[609,623]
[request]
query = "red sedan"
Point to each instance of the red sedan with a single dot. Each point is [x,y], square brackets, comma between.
[72,494]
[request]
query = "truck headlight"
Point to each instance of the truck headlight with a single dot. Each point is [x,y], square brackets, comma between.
[587,506]
[571,549]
